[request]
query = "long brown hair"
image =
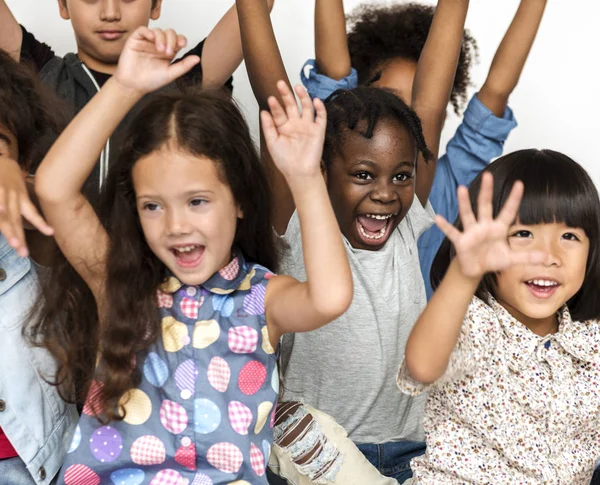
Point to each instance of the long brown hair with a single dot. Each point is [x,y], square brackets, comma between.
[201,124]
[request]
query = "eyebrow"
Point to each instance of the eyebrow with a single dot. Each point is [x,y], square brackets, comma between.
[372,164]
[189,193]
[5,138]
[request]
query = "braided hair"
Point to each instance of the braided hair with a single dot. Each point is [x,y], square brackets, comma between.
[346,109]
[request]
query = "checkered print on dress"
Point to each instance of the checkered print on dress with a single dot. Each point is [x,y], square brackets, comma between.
[256,460]
[225,457]
[240,417]
[164,300]
[243,340]
[173,416]
[219,374]
[189,307]
[167,477]
[151,452]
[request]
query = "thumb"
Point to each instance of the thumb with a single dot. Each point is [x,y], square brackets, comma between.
[178,69]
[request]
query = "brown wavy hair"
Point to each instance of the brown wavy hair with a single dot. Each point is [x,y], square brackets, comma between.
[203,125]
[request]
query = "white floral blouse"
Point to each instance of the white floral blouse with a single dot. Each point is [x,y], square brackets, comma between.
[513,407]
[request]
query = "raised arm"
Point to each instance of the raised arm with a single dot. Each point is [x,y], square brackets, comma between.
[433,82]
[265,68]
[481,248]
[331,43]
[222,53]
[11,35]
[143,67]
[511,56]
[295,141]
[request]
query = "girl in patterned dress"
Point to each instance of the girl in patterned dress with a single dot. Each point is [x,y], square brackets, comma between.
[509,346]
[186,396]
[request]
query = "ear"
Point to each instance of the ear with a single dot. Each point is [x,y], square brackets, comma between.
[63,9]
[155,13]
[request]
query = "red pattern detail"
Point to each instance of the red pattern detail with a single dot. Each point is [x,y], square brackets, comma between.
[92,405]
[243,340]
[81,475]
[252,377]
[231,271]
[186,456]
[190,307]
[165,300]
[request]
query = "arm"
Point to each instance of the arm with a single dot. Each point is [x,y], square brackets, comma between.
[296,143]
[511,56]
[480,249]
[265,68]
[222,53]
[11,35]
[433,82]
[143,67]
[331,42]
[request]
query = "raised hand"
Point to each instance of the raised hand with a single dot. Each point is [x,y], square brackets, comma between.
[295,140]
[15,205]
[145,63]
[483,246]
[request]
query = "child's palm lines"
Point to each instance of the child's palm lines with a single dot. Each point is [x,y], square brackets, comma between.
[484,247]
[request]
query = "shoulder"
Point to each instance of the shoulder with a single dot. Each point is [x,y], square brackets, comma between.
[418,219]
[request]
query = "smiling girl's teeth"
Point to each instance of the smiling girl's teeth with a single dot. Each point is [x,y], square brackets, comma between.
[543,282]
[379,235]
[185,249]
[380,217]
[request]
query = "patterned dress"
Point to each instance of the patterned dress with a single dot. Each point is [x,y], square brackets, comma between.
[203,413]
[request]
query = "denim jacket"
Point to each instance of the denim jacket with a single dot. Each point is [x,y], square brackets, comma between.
[38,423]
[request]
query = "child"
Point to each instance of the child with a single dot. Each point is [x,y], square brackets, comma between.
[101,29]
[374,145]
[389,40]
[35,424]
[188,231]
[509,346]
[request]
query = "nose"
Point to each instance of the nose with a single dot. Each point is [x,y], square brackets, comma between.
[384,193]
[552,250]
[110,11]
[177,224]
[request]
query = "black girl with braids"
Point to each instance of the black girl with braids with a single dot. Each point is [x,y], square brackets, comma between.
[379,161]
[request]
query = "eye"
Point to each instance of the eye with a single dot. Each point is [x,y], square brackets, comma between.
[197,202]
[569,236]
[151,206]
[403,177]
[523,233]
[363,176]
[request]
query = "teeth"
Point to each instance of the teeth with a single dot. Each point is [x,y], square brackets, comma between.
[543,282]
[185,249]
[380,217]
[379,235]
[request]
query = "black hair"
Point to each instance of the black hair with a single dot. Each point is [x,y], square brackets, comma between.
[557,189]
[347,109]
[379,33]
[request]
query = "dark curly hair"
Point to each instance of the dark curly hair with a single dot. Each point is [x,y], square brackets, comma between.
[205,124]
[347,109]
[379,33]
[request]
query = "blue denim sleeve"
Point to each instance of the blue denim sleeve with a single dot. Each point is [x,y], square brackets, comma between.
[479,139]
[321,86]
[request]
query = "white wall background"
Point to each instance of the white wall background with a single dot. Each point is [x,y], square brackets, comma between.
[557,102]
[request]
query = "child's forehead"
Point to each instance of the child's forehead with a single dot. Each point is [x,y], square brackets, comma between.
[388,137]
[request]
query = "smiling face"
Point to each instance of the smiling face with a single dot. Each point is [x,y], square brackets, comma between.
[371,183]
[102,26]
[533,294]
[187,213]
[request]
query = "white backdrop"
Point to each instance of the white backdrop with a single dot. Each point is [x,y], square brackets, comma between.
[557,102]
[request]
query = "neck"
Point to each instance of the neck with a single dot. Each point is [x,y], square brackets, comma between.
[41,248]
[96,65]
[539,326]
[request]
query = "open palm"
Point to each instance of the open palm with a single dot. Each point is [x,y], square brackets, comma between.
[145,63]
[483,246]
[295,140]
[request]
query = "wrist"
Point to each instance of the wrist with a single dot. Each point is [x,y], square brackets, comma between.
[122,91]
[460,278]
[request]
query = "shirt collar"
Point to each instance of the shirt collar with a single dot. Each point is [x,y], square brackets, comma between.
[234,276]
[578,339]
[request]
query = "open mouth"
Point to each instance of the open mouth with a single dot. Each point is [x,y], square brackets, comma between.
[188,256]
[542,288]
[374,229]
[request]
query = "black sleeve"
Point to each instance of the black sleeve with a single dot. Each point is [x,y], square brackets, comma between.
[35,52]
[194,77]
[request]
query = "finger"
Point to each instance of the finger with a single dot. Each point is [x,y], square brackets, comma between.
[277,112]
[465,210]
[160,40]
[289,101]
[308,113]
[170,42]
[29,212]
[510,211]
[485,211]
[181,42]
[450,231]
[145,33]
[268,127]
[14,214]
[321,112]
[178,69]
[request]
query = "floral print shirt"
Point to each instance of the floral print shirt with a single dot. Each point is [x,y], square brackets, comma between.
[204,411]
[513,407]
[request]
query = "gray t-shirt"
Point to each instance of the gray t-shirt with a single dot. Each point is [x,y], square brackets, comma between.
[348,368]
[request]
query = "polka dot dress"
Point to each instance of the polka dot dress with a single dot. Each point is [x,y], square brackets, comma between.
[203,414]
